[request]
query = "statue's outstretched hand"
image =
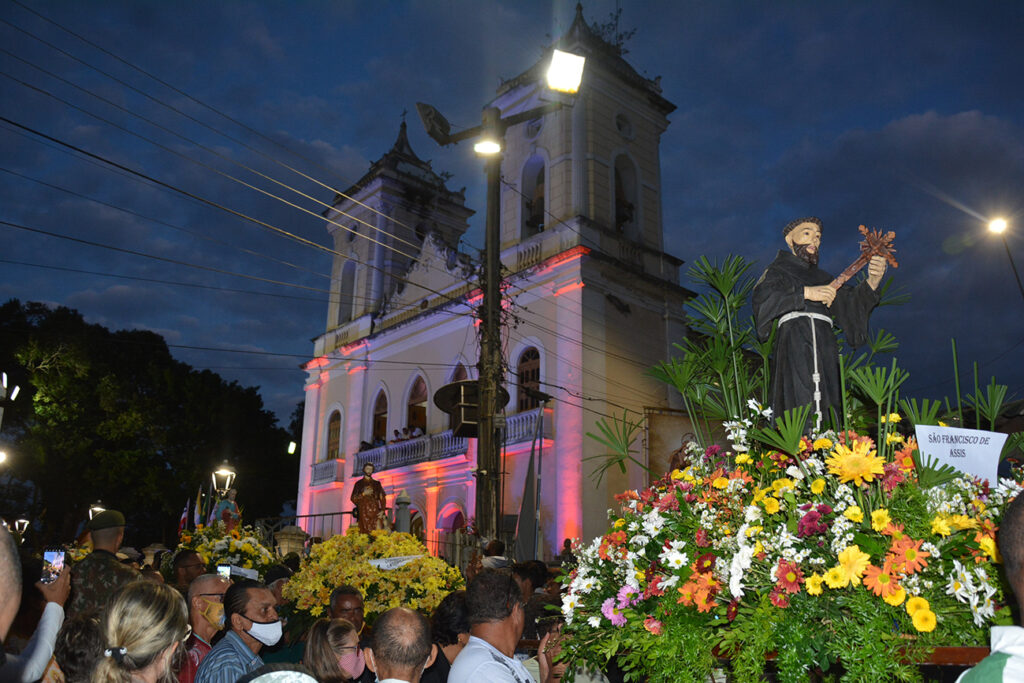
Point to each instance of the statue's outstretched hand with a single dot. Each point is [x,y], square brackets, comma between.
[822,293]
[876,269]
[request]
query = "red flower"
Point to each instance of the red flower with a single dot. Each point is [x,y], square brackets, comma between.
[702,538]
[732,610]
[788,577]
[653,625]
[779,598]
[705,562]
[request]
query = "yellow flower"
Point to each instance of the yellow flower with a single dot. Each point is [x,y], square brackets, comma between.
[892,417]
[759,495]
[854,514]
[836,578]
[940,526]
[813,584]
[822,444]
[924,620]
[817,486]
[771,505]
[758,548]
[620,522]
[880,519]
[942,424]
[720,483]
[916,604]
[988,546]
[893,437]
[962,522]
[784,484]
[859,464]
[753,531]
[677,474]
[854,561]
[743,458]
[897,597]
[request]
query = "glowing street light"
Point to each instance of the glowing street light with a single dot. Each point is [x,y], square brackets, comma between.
[223,477]
[565,72]
[21,525]
[96,508]
[998,226]
[4,398]
[487,147]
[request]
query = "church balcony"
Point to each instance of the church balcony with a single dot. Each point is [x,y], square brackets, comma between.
[518,428]
[327,472]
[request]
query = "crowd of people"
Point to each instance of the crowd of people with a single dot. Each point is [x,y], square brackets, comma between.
[104,621]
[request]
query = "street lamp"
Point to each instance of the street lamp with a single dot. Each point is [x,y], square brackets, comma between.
[223,477]
[96,508]
[4,399]
[21,525]
[564,74]
[998,226]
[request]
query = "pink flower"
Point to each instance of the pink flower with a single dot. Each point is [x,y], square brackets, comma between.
[702,538]
[627,597]
[653,625]
[613,613]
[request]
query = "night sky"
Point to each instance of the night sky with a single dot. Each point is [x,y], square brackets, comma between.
[903,116]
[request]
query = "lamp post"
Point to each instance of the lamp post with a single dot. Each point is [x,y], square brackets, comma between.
[223,477]
[96,508]
[564,74]
[998,227]
[4,399]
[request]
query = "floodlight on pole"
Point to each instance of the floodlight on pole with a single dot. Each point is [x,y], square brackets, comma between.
[291,447]
[487,147]
[998,226]
[565,72]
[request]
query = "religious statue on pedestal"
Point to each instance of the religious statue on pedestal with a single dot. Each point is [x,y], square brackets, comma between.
[370,501]
[227,511]
[807,302]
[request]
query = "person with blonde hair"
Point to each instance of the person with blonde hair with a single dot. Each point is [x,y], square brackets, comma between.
[332,651]
[143,627]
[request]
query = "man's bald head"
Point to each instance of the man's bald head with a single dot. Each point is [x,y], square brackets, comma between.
[401,644]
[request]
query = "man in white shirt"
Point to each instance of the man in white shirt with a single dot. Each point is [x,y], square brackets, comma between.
[401,647]
[497,614]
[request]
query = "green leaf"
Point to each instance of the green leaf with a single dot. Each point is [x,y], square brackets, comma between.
[930,473]
[927,413]
[618,436]
[788,430]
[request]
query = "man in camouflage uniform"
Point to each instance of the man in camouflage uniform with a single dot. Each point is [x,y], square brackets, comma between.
[100,573]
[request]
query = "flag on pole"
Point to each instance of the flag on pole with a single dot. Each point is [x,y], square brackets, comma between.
[197,512]
[183,522]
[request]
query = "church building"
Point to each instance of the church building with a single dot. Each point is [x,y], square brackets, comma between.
[590,301]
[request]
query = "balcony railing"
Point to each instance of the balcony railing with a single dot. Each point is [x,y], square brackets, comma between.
[518,428]
[420,449]
[327,472]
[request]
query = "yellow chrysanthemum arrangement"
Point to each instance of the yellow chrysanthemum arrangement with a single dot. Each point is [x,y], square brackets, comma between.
[216,545]
[344,560]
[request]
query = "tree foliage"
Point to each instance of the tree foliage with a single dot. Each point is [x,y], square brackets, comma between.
[111,415]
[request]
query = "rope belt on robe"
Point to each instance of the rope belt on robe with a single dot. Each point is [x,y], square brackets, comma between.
[814,346]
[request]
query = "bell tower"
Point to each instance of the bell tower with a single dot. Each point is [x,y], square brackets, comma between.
[593,164]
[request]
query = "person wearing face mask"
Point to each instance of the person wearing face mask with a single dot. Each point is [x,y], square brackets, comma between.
[250,622]
[333,653]
[206,616]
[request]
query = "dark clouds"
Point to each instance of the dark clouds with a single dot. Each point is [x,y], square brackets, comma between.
[902,116]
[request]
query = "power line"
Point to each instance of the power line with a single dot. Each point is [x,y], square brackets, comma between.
[216,205]
[191,118]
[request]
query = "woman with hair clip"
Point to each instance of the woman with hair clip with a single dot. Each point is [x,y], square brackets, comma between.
[142,629]
[332,651]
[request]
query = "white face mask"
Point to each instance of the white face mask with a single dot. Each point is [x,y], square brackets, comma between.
[267,633]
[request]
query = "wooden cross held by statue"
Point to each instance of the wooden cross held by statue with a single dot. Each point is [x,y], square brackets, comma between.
[874,244]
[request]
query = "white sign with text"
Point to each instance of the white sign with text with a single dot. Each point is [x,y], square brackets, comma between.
[970,451]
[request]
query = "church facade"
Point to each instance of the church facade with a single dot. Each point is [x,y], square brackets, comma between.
[590,301]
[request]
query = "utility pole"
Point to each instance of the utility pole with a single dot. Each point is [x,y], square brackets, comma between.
[490,363]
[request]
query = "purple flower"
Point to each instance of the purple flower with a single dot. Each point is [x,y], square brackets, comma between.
[613,613]
[623,599]
[811,524]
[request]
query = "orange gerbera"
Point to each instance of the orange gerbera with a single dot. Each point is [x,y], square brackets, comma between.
[880,581]
[907,556]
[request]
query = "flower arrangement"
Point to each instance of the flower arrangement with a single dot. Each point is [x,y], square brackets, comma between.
[215,545]
[845,551]
[420,584]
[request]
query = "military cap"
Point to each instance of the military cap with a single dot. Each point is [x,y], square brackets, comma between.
[105,520]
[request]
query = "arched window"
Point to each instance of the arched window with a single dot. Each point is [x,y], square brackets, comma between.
[625,196]
[416,413]
[527,377]
[534,210]
[333,436]
[380,418]
[346,293]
